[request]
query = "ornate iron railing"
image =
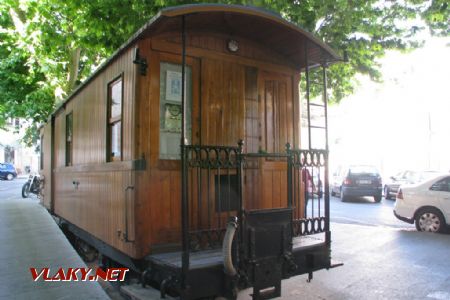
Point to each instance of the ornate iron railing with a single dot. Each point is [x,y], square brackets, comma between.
[214,193]
[214,190]
[308,172]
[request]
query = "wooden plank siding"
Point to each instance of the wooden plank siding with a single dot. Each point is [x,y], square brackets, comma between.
[223,102]
[246,95]
[226,108]
[92,193]
[46,167]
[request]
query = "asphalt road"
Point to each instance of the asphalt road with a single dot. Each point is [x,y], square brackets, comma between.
[10,190]
[383,257]
[365,211]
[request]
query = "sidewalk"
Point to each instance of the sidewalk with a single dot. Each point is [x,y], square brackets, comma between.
[30,238]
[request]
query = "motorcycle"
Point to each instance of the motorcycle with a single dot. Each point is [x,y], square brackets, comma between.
[33,185]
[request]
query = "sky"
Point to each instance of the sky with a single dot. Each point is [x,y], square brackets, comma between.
[402,123]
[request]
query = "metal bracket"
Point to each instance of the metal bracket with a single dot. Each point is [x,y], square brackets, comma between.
[142,62]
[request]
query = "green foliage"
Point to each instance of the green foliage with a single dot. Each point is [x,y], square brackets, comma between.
[437,16]
[47,47]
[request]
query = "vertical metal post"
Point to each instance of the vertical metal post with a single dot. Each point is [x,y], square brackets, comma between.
[325,102]
[240,176]
[327,183]
[184,171]
[307,93]
[289,174]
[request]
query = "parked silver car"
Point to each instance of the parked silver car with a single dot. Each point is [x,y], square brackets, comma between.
[405,177]
[393,183]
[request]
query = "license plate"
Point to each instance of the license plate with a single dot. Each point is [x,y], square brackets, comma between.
[365,181]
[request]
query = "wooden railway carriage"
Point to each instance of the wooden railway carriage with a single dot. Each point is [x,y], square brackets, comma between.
[145,160]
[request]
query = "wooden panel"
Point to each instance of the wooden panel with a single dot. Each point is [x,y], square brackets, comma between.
[223,104]
[89,114]
[252,121]
[60,135]
[217,43]
[277,113]
[158,188]
[46,171]
[228,109]
[252,190]
[97,202]
[162,44]
[274,185]
[226,91]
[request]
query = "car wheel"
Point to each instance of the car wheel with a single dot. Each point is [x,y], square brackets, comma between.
[387,196]
[430,219]
[10,176]
[343,196]
[377,198]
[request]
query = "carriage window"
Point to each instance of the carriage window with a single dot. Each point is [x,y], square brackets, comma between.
[41,150]
[170,109]
[115,97]
[69,135]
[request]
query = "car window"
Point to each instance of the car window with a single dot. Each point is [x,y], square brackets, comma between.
[423,176]
[363,170]
[2,167]
[442,185]
[409,175]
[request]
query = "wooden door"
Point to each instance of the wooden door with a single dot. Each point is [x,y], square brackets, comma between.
[275,92]
[277,129]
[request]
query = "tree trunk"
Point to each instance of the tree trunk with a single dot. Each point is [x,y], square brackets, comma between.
[73,68]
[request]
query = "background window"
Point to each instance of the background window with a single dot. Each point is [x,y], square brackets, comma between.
[69,139]
[170,109]
[115,98]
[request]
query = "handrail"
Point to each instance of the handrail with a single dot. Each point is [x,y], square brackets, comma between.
[125,236]
[263,155]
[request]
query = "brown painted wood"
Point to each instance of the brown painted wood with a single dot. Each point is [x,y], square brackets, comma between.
[46,171]
[252,121]
[248,95]
[166,44]
[93,194]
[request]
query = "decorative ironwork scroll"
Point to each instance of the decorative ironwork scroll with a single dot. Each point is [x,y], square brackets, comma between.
[308,183]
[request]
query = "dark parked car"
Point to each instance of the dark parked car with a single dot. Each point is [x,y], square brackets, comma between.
[357,180]
[7,171]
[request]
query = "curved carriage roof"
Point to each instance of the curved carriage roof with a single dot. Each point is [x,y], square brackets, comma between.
[260,25]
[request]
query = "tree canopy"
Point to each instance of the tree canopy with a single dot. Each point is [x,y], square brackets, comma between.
[48,47]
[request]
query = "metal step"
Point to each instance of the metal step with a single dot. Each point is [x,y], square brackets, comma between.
[137,292]
[335,264]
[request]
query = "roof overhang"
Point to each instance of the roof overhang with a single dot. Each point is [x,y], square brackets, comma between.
[259,25]
[266,28]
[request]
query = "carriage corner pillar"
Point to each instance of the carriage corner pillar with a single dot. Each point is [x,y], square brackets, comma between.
[289,173]
[184,196]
